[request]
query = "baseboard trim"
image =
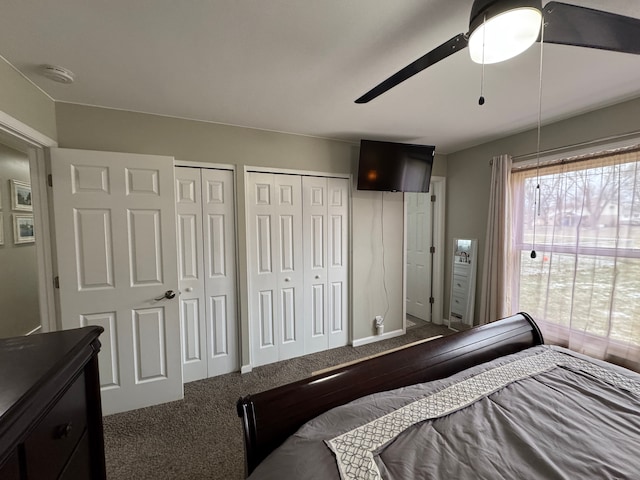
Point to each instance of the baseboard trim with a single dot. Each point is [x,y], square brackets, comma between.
[375,355]
[246,369]
[35,330]
[376,338]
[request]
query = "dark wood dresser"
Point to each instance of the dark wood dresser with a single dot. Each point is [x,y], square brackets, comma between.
[50,411]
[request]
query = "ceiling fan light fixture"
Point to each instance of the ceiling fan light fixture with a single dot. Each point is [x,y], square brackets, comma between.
[505,35]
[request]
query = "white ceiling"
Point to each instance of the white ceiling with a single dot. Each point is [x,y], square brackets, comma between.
[297,66]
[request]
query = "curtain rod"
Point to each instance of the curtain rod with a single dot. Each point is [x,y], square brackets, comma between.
[576,145]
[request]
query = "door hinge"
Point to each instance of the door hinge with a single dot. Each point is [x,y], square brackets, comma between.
[432,300]
[433,198]
[50,180]
[432,249]
[56,282]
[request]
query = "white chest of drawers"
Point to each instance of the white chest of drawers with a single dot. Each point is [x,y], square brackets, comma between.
[463,284]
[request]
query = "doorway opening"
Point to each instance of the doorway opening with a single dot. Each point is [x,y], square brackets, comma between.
[424,255]
[26,282]
[19,300]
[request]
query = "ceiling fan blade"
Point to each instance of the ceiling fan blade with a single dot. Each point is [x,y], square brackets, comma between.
[434,56]
[585,27]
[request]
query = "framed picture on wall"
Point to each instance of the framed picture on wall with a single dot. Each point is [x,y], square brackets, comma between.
[20,196]
[1,229]
[23,229]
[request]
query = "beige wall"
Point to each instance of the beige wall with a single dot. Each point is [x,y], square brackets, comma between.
[113,130]
[23,101]
[19,313]
[120,131]
[469,173]
[369,296]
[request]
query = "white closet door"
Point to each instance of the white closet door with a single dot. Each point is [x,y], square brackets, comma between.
[337,261]
[218,214]
[315,231]
[290,311]
[418,255]
[206,245]
[263,275]
[116,249]
[191,273]
[275,266]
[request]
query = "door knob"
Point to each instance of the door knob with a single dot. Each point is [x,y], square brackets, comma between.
[188,289]
[287,279]
[169,294]
[317,277]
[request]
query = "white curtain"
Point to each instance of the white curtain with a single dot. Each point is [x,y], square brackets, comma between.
[583,287]
[495,302]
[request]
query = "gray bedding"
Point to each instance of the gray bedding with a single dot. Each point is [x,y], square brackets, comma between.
[544,413]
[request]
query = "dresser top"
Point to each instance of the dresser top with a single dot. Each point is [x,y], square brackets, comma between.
[29,363]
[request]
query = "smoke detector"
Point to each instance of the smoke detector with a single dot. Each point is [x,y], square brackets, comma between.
[57,73]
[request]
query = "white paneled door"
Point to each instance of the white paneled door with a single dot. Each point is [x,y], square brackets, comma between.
[218,220]
[274,206]
[314,227]
[325,216]
[207,271]
[191,273]
[418,255]
[337,258]
[116,253]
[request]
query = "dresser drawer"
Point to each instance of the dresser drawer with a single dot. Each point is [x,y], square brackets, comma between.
[51,443]
[461,269]
[460,283]
[458,305]
[10,470]
[79,466]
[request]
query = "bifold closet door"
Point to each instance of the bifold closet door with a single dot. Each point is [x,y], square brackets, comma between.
[190,273]
[218,224]
[325,216]
[274,207]
[207,271]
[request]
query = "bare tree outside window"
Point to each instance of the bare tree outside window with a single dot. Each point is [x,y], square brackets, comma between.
[586,275]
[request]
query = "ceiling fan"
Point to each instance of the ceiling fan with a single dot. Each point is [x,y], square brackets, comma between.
[502,29]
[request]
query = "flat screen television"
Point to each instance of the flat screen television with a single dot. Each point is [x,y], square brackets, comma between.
[394,167]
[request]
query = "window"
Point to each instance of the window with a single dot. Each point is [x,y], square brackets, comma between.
[584,223]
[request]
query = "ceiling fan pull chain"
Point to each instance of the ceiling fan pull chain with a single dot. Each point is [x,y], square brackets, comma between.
[484,32]
[536,200]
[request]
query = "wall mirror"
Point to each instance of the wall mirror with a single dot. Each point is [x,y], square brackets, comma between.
[463,283]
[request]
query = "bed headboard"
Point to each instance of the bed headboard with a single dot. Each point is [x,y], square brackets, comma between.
[269,417]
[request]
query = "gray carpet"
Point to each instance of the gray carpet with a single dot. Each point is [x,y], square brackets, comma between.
[200,437]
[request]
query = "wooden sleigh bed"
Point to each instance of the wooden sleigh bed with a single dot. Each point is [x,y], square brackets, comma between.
[271,418]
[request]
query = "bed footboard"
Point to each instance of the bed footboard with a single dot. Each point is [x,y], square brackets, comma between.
[269,417]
